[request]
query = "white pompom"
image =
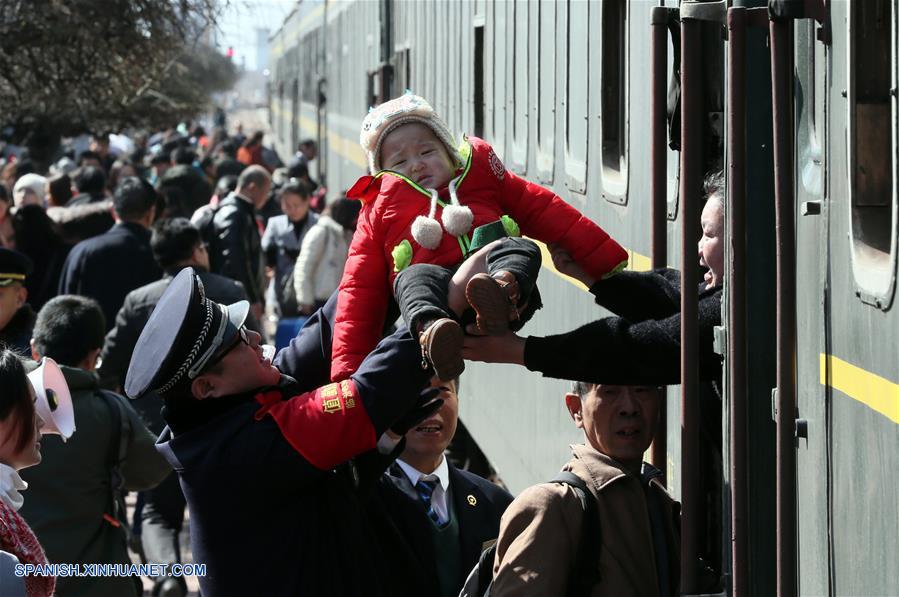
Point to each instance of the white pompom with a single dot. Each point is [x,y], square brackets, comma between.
[427,232]
[457,219]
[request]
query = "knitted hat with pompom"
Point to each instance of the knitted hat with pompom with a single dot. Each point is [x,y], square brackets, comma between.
[380,121]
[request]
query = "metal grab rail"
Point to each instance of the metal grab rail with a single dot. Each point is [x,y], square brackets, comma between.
[782,100]
[736,297]
[658,185]
[690,191]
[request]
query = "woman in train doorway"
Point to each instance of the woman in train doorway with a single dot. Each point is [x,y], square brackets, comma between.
[429,206]
[20,434]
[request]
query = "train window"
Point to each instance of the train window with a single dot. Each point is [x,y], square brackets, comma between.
[479,81]
[613,101]
[872,149]
[401,75]
[810,98]
[519,85]
[576,87]
[546,90]
[500,32]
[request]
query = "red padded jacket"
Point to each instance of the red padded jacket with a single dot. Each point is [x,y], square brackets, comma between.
[391,203]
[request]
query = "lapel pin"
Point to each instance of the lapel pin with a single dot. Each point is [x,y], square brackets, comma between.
[472,500]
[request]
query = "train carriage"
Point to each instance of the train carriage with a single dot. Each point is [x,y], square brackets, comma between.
[575,95]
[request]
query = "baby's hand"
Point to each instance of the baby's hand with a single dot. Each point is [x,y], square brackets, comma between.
[566,265]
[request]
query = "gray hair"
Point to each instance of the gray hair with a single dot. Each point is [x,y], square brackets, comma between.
[581,388]
[713,186]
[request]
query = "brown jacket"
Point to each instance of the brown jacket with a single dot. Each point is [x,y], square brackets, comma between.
[540,531]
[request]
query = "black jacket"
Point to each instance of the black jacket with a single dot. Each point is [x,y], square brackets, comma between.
[109,266]
[17,333]
[639,346]
[236,249]
[478,503]
[135,312]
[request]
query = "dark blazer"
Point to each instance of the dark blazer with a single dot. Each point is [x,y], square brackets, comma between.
[479,505]
[109,266]
[236,248]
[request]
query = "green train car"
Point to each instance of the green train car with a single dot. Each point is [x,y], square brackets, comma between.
[620,107]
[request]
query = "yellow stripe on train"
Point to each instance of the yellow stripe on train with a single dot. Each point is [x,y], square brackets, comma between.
[874,391]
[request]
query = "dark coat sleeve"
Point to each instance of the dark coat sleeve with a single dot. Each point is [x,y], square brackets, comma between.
[615,350]
[638,296]
[120,342]
[308,356]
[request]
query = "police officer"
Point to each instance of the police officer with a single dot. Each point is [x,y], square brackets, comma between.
[16,315]
[272,512]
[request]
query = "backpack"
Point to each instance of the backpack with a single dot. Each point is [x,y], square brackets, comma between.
[584,572]
[117,451]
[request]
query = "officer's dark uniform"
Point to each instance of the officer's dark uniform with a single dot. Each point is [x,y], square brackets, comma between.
[15,267]
[269,514]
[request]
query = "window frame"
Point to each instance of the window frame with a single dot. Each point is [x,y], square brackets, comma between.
[615,180]
[875,283]
[545,80]
[576,165]
[519,73]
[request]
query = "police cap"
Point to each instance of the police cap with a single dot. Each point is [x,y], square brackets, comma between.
[14,267]
[186,332]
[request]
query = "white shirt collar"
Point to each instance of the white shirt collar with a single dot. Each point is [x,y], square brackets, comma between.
[442,473]
[10,486]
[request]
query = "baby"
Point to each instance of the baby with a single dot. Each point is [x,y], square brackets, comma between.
[431,208]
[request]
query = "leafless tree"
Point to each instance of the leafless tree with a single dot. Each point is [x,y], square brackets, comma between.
[69,66]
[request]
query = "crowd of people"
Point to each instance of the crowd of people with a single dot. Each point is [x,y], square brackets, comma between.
[322,469]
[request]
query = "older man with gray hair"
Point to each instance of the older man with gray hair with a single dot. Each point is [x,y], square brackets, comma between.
[633,541]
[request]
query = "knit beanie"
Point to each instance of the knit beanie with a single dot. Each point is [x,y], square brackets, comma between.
[380,121]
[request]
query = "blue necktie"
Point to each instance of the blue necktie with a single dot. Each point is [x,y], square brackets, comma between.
[425,488]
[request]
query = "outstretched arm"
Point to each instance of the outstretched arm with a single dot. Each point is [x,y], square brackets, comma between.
[634,295]
[612,350]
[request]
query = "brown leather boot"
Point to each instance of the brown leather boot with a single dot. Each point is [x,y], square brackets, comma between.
[495,300]
[441,346]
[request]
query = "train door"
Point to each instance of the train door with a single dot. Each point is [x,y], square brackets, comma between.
[813,305]
[860,367]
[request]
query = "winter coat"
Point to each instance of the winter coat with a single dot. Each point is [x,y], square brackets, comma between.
[69,493]
[236,248]
[109,266]
[640,346]
[383,241]
[272,512]
[77,223]
[320,265]
[282,244]
[541,530]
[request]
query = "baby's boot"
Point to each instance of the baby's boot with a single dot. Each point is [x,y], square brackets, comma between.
[441,347]
[494,299]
